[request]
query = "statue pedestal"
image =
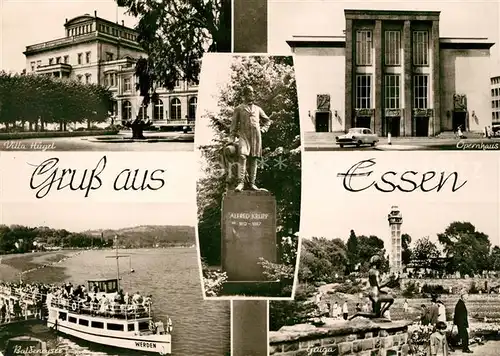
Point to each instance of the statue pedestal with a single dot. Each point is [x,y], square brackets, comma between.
[248,233]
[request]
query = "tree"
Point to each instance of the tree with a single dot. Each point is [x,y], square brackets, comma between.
[175,34]
[274,85]
[494,263]
[294,312]
[466,247]
[425,249]
[369,246]
[352,251]
[321,259]
[51,100]
[406,253]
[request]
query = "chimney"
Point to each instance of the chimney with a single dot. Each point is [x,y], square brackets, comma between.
[123,23]
[66,20]
[95,13]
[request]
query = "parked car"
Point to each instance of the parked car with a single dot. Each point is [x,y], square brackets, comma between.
[357,136]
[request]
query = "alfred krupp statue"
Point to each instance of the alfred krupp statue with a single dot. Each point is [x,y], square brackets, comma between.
[249,120]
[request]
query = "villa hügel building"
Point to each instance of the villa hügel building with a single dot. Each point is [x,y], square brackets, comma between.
[392,72]
[95,50]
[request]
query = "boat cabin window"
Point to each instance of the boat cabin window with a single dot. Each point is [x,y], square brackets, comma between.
[83,322]
[72,319]
[110,286]
[62,316]
[97,324]
[131,327]
[117,327]
[143,325]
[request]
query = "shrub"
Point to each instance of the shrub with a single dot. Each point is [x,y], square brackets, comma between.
[434,289]
[473,288]
[213,280]
[410,290]
[350,286]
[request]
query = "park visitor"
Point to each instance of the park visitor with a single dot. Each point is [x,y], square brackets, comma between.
[441,311]
[433,311]
[424,315]
[460,319]
[438,343]
[405,306]
[345,310]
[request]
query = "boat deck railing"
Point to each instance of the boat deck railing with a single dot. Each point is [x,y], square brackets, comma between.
[31,300]
[119,311]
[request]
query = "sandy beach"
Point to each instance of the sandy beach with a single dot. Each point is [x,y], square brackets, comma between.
[35,267]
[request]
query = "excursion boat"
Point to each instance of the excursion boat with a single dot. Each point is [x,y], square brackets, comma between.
[123,326]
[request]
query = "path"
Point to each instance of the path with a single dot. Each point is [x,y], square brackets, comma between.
[490,348]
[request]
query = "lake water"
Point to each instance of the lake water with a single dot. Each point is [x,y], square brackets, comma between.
[172,277]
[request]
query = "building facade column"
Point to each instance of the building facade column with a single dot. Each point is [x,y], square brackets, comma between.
[149,111]
[119,111]
[349,87]
[376,125]
[407,81]
[436,85]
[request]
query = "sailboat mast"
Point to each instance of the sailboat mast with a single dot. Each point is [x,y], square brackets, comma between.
[117,264]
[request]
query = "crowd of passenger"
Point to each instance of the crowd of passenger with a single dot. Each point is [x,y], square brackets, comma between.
[21,300]
[28,299]
[96,302]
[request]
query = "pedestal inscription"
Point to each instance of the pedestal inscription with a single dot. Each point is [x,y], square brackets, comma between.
[248,232]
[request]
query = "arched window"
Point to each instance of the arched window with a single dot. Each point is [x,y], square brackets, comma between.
[143,113]
[126,110]
[175,109]
[158,110]
[192,107]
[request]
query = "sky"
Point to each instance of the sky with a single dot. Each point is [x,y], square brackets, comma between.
[467,18]
[87,215]
[328,210]
[215,75]
[25,22]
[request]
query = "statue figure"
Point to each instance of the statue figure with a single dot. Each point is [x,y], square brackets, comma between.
[380,299]
[249,120]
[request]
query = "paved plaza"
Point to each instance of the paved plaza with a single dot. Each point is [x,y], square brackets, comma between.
[325,141]
[155,141]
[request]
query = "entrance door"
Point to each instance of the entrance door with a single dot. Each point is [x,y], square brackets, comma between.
[393,126]
[459,120]
[322,122]
[364,121]
[422,126]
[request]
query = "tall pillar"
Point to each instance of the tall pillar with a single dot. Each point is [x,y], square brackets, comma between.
[407,81]
[395,219]
[377,124]
[349,87]
[436,91]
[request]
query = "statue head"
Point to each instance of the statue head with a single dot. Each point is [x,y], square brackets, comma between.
[248,94]
[375,261]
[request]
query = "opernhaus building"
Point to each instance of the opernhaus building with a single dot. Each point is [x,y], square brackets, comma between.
[391,72]
[95,50]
